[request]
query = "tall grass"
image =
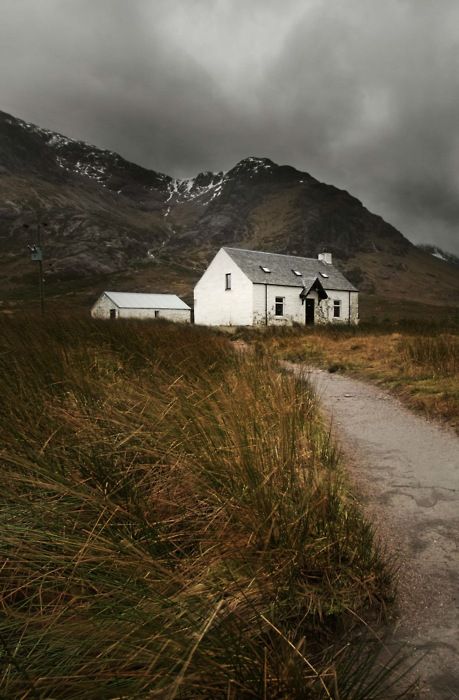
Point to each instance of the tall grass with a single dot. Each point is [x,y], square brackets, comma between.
[439,354]
[174,523]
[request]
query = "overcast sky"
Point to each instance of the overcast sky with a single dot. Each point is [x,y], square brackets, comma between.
[362,94]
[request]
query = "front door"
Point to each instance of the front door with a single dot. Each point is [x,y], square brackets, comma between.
[309,312]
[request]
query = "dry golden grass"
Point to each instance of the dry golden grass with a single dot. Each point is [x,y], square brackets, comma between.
[175,523]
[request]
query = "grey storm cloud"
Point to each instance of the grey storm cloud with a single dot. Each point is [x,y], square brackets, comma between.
[361,94]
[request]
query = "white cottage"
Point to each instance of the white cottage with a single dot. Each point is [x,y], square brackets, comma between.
[247,287]
[134,305]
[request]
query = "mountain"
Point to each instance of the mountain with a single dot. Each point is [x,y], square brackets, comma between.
[107,222]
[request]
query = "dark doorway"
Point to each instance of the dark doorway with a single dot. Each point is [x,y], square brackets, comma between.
[309,312]
[112,313]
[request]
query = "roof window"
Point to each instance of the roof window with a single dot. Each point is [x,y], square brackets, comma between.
[265,269]
[324,274]
[297,273]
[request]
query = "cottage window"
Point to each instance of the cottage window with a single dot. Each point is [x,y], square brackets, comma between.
[265,269]
[279,306]
[156,313]
[336,308]
[228,280]
[297,273]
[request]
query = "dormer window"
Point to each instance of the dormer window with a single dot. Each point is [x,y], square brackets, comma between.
[297,273]
[265,269]
[324,274]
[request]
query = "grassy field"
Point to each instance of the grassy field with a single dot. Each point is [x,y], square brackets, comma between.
[419,362]
[175,523]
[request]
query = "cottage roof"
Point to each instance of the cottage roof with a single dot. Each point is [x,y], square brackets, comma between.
[135,300]
[281,269]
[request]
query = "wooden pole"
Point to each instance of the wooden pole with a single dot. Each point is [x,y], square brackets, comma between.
[40,271]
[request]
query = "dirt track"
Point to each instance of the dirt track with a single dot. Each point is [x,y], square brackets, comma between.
[408,471]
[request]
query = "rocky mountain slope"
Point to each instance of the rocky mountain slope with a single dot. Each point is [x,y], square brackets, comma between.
[107,222]
[439,253]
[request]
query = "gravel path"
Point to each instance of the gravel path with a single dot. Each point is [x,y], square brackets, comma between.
[408,472]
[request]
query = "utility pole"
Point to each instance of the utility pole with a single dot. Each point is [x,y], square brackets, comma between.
[36,254]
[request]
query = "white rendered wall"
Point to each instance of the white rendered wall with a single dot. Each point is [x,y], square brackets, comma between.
[294,309]
[347,311]
[354,307]
[177,315]
[216,306]
[101,308]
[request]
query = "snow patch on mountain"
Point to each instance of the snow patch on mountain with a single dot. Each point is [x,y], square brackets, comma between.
[55,140]
[253,166]
[205,186]
[95,163]
[438,253]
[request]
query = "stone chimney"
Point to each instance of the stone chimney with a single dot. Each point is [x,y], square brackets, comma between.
[325,257]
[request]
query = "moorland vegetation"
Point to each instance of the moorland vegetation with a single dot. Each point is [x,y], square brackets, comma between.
[176,522]
[418,361]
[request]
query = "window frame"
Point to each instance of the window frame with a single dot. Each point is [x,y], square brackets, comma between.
[337,307]
[227,281]
[279,301]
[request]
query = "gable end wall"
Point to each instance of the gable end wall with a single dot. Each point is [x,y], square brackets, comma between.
[216,306]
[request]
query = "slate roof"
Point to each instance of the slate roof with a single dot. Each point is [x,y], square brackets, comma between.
[281,266]
[134,300]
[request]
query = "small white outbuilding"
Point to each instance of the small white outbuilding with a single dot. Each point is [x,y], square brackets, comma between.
[141,306]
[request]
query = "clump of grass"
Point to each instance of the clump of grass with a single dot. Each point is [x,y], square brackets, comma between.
[175,523]
[439,354]
[305,352]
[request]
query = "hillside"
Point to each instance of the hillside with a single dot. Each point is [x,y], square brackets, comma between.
[108,222]
[439,253]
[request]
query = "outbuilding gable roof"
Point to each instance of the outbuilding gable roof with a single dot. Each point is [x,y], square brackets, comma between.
[281,269]
[135,300]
